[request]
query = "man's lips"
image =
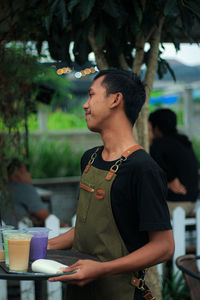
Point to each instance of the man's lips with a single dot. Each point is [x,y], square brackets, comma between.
[87,115]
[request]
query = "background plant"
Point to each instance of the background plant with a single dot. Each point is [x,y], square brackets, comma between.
[196,147]
[53,159]
[175,288]
[18,69]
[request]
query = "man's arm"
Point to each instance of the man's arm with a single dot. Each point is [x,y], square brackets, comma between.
[41,214]
[63,241]
[177,187]
[159,249]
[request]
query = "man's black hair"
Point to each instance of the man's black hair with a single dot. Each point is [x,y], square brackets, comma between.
[13,165]
[131,87]
[165,120]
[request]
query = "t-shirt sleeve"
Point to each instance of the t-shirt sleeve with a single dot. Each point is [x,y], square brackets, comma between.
[31,199]
[152,205]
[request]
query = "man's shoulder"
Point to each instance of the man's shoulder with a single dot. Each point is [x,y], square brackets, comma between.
[141,161]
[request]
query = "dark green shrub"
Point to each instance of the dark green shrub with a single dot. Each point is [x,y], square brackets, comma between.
[49,159]
[196,147]
[175,288]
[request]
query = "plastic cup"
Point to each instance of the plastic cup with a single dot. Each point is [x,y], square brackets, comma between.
[2,250]
[5,233]
[18,249]
[38,248]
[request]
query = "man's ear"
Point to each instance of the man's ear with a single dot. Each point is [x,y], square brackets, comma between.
[117,100]
[157,132]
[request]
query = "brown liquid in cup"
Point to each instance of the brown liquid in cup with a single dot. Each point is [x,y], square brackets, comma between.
[18,254]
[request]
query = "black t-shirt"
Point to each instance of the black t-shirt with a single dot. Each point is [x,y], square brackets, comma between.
[138,196]
[175,156]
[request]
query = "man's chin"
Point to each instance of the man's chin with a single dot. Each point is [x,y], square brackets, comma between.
[93,129]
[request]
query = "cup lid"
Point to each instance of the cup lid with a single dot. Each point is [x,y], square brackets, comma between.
[38,230]
[19,236]
[6,227]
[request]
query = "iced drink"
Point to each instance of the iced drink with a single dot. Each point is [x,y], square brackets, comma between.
[38,248]
[2,250]
[18,249]
[2,255]
[5,233]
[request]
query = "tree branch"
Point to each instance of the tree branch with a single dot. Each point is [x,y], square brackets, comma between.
[152,62]
[139,54]
[122,62]
[99,56]
[142,126]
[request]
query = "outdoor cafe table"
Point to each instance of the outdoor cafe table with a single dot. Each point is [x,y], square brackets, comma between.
[66,257]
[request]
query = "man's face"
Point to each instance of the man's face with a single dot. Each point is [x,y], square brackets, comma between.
[21,175]
[150,133]
[97,112]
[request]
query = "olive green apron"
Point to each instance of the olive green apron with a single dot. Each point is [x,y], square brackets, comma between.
[96,233]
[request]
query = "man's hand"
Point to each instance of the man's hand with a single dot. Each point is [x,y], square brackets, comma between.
[85,272]
[176,187]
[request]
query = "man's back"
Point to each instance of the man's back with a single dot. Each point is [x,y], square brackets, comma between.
[176,157]
[23,200]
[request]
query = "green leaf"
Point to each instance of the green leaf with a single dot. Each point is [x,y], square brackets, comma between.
[100,34]
[112,8]
[170,70]
[61,14]
[58,14]
[163,68]
[138,12]
[72,4]
[193,6]
[86,7]
[171,8]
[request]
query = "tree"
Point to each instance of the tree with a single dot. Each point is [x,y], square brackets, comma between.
[117,32]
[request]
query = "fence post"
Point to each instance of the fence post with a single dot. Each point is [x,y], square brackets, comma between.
[3,289]
[27,290]
[53,223]
[178,219]
[54,288]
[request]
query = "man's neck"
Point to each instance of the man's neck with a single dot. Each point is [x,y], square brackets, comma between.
[116,142]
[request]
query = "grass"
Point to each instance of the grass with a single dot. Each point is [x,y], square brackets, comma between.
[57,120]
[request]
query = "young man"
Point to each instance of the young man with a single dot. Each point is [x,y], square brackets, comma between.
[23,197]
[122,216]
[174,154]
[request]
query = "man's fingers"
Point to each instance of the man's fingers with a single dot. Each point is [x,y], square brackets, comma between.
[69,277]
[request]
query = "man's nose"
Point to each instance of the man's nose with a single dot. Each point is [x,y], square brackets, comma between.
[85,105]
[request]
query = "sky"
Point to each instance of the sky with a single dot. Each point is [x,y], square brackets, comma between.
[188,54]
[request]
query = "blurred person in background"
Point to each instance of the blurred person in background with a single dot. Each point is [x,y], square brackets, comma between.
[174,154]
[24,202]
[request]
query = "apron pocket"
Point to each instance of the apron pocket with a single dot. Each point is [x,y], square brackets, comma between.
[85,198]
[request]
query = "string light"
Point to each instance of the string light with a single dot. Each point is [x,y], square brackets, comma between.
[78,74]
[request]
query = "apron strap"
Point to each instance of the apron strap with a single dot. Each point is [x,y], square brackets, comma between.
[93,156]
[140,284]
[124,156]
[130,150]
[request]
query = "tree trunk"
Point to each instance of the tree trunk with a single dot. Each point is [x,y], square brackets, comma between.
[152,62]
[99,56]
[142,122]
[139,55]
[123,63]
